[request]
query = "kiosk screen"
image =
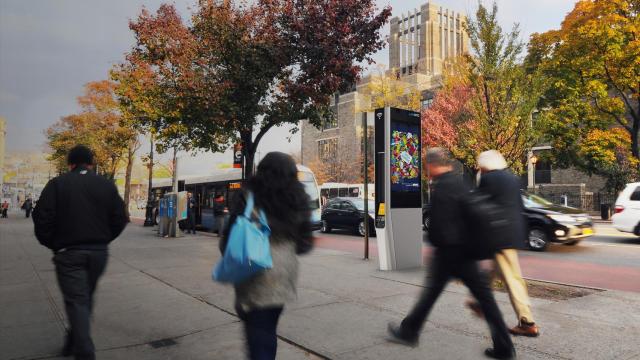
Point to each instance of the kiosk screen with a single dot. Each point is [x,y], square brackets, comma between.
[405,157]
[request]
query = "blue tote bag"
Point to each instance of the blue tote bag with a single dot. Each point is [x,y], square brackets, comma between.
[248,252]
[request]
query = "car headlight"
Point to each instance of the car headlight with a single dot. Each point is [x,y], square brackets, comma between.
[561,218]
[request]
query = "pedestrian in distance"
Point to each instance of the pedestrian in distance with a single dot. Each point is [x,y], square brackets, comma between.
[261,299]
[219,213]
[451,260]
[27,206]
[191,214]
[4,209]
[504,189]
[78,214]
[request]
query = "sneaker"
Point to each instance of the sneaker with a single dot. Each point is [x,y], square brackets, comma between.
[491,353]
[475,308]
[396,336]
[524,329]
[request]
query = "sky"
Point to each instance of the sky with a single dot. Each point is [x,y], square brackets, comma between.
[50,49]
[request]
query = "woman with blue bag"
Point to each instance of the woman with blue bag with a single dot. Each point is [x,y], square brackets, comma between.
[278,206]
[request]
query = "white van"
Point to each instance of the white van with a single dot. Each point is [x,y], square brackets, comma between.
[627,210]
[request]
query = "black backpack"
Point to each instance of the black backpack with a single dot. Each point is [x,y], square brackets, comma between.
[487,225]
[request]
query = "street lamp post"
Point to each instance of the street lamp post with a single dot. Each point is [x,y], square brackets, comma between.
[534,161]
[148,220]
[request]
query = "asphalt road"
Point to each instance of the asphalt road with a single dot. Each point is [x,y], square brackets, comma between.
[607,260]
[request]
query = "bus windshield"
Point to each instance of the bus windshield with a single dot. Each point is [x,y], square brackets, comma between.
[310,188]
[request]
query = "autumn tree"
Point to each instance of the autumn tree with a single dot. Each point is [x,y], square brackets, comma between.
[488,97]
[384,89]
[236,71]
[608,153]
[101,126]
[592,65]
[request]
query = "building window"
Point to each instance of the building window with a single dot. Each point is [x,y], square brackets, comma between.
[328,154]
[543,172]
[426,103]
[331,123]
[327,149]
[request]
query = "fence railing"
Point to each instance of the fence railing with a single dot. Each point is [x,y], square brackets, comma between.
[586,202]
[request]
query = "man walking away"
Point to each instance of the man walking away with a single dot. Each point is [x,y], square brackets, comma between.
[504,188]
[28,207]
[448,236]
[79,213]
[191,215]
[218,212]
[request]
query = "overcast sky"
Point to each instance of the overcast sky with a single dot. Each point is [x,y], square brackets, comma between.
[50,48]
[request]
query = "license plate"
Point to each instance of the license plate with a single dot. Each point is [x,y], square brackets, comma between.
[587,232]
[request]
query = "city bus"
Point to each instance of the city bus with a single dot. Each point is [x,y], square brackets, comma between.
[227,183]
[333,190]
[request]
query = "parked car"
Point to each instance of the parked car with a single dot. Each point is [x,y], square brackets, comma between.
[626,215]
[347,213]
[548,222]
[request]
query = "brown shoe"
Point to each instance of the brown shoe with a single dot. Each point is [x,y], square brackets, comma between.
[530,330]
[475,308]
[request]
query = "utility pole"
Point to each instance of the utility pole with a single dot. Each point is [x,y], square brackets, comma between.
[148,218]
[365,134]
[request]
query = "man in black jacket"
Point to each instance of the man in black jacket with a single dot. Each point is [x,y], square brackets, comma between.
[448,236]
[79,213]
[504,188]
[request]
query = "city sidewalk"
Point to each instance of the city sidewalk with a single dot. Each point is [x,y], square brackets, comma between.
[157,301]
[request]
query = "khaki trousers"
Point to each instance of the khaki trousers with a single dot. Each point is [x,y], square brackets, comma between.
[508,269]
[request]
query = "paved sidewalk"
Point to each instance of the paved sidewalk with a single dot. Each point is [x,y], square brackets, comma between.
[161,289]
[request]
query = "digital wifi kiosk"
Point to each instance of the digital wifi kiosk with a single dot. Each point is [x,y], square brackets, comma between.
[398,188]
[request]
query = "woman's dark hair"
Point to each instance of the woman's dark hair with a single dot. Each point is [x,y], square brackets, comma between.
[282,196]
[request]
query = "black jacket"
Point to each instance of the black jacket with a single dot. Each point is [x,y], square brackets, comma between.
[504,189]
[447,226]
[79,209]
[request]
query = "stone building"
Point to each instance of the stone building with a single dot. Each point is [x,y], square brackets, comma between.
[3,132]
[421,43]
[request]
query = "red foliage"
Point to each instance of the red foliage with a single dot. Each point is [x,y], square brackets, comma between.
[442,122]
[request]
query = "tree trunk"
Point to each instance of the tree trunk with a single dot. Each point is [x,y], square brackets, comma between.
[249,151]
[127,177]
[634,138]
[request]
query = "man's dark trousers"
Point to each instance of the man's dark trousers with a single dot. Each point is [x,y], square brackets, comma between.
[446,264]
[78,272]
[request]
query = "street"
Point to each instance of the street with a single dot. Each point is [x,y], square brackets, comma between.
[608,260]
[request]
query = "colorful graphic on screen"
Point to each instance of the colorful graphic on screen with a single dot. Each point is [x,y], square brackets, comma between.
[405,158]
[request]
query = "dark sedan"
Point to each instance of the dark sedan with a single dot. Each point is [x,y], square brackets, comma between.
[547,223]
[550,222]
[347,213]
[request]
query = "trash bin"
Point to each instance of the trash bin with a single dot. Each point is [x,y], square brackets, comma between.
[605,211]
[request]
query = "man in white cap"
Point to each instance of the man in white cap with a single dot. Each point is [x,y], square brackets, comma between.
[504,188]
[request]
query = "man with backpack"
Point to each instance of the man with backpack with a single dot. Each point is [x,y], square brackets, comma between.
[451,259]
[503,188]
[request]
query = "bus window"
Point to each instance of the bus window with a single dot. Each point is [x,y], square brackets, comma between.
[354,192]
[343,192]
[333,193]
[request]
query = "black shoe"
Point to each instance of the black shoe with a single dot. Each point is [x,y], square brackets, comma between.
[396,336]
[67,350]
[491,353]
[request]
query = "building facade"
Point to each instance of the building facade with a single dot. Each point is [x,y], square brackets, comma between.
[3,133]
[421,43]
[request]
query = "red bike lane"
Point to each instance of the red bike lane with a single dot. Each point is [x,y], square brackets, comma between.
[556,266]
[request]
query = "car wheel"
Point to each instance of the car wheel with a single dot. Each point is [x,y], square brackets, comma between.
[425,223]
[360,229]
[325,227]
[538,239]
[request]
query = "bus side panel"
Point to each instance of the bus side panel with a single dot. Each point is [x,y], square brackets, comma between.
[208,220]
